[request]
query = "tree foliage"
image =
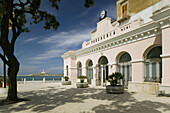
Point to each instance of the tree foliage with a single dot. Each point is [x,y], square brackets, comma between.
[13,14]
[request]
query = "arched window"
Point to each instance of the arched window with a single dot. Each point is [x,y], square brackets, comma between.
[79,69]
[103,70]
[67,70]
[125,58]
[89,71]
[124,67]
[153,65]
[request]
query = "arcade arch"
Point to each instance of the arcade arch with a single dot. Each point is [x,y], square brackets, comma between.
[89,68]
[153,65]
[79,69]
[124,67]
[103,70]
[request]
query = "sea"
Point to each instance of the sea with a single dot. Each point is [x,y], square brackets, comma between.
[39,78]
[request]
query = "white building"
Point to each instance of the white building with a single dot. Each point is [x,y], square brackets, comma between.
[136,44]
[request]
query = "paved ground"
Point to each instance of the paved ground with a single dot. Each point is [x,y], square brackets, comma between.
[56,98]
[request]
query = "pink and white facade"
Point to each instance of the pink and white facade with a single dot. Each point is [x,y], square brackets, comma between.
[138,48]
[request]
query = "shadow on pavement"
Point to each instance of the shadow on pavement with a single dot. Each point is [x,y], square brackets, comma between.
[49,98]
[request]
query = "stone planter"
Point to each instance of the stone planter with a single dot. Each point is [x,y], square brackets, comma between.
[82,85]
[66,82]
[119,89]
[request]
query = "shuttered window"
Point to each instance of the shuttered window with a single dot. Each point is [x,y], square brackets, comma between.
[124,10]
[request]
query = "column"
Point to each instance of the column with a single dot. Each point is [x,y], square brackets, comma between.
[109,68]
[150,71]
[84,71]
[98,78]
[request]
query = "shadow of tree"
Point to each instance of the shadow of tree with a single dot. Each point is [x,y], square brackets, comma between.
[49,98]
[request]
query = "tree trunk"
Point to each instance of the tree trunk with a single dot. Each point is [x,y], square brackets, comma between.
[12,74]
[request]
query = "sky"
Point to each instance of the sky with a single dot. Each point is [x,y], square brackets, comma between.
[40,49]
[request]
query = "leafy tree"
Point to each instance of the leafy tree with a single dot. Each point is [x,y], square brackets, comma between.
[13,14]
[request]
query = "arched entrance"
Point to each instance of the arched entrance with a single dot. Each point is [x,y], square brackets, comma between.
[79,69]
[153,65]
[103,70]
[124,67]
[89,71]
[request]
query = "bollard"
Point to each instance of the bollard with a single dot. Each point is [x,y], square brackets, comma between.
[24,80]
[43,80]
[53,79]
[32,79]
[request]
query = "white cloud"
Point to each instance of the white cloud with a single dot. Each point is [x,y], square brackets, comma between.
[29,40]
[34,62]
[71,38]
[61,42]
[55,68]
[29,69]
[48,54]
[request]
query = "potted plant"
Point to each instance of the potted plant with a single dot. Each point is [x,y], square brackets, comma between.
[1,80]
[82,84]
[66,78]
[66,81]
[82,78]
[115,86]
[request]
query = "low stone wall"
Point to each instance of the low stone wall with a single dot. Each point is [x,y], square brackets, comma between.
[164,88]
[148,87]
[3,91]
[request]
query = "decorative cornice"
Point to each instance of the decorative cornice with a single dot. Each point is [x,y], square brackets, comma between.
[118,41]
[136,61]
[148,30]
[165,26]
[113,63]
[165,56]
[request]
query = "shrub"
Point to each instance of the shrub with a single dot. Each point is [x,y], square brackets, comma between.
[1,80]
[66,78]
[82,78]
[115,78]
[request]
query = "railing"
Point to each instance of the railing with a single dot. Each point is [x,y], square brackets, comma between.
[44,80]
[152,79]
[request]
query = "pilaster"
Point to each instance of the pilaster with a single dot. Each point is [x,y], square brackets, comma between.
[165,56]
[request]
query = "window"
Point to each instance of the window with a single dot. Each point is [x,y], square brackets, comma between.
[124,67]
[124,10]
[79,69]
[153,65]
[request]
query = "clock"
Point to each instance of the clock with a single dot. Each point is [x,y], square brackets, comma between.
[103,14]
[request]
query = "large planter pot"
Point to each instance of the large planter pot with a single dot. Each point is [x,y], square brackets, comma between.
[82,85]
[66,82]
[119,89]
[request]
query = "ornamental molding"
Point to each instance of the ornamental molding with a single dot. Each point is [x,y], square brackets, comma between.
[113,63]
[124,39]
[147,30]
[136,61]
[165,26]
[165,56]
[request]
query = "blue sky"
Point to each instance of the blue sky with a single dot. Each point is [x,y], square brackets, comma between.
[40,49]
